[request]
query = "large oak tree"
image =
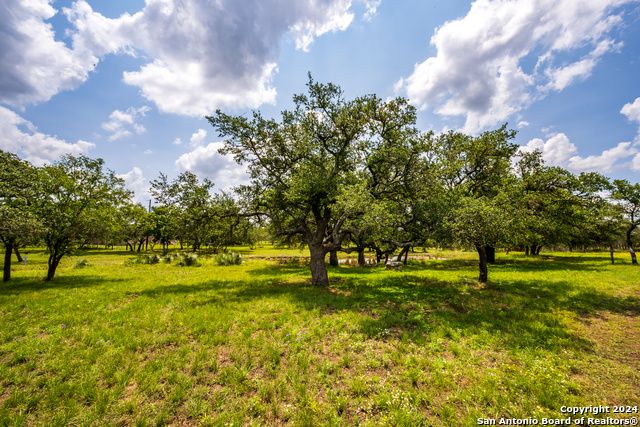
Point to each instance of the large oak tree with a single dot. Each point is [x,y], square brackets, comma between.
[303,166]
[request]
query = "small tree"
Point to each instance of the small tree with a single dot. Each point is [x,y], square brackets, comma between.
[19,189]
[191,200]
[475,170]
[79,194]
[485,221]
[162,225]
[627,197]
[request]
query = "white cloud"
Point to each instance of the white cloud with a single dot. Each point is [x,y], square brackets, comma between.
[148,152]
[207,162]
[635,163]
[118,120]
[197,139]
[477,71]
[135,181]
[632,111]
[605,162]
[558,150]
[522,124]
[36,147]
[207,55]
[372,6]
[177,141]
[34,66]
[561,77]
[555,151]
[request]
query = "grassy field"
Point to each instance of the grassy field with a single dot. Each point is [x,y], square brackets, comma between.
[152,345]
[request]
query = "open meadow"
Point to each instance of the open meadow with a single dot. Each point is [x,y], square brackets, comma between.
[110,344]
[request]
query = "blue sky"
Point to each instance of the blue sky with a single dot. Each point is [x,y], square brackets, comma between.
[130,81]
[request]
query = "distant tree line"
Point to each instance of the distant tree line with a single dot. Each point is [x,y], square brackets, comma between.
[76,202]
[334,175]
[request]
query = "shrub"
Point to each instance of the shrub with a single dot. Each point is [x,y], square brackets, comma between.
[143,259]
[82,263]
[229,258]
[168,258]
[187,260]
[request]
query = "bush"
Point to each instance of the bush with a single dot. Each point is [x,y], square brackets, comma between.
[82,263]
[229,258]
[187,260]
[168,258]
[182,260]
[143,259]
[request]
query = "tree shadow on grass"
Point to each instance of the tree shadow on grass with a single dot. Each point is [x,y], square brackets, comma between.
[22,285]
[535,313]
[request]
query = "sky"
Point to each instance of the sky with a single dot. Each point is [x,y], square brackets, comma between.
[130,81]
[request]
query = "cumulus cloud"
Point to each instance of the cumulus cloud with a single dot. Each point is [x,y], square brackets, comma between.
[604,162]
[555,151]
[522,124]
[207,162]
[135,181]
[34,65]
[119,119]
[20,136]
[207,55]
[558,150]
[197,138]
[632,111]
[477,71]
[635,163]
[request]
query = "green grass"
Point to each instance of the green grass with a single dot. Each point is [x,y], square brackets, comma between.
[255,344]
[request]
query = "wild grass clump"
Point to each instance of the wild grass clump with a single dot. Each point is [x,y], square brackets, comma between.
[229,258]
[168,258]
[178,259]
[82,263]
[187,260]
[143,259]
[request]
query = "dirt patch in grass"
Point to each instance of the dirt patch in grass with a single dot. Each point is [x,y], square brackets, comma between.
[615,336]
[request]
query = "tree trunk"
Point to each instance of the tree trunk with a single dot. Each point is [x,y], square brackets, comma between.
[611,252]
[361,258]
[406,255]
[482,256]
[402,252]
[526,250]
[538,249]
[508,249]
[319,275]
[491,254]
[533,250]
[630,246]
[7,262]
[17,252]
[333,258]
[140,243]
[53,265]
[378,255]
